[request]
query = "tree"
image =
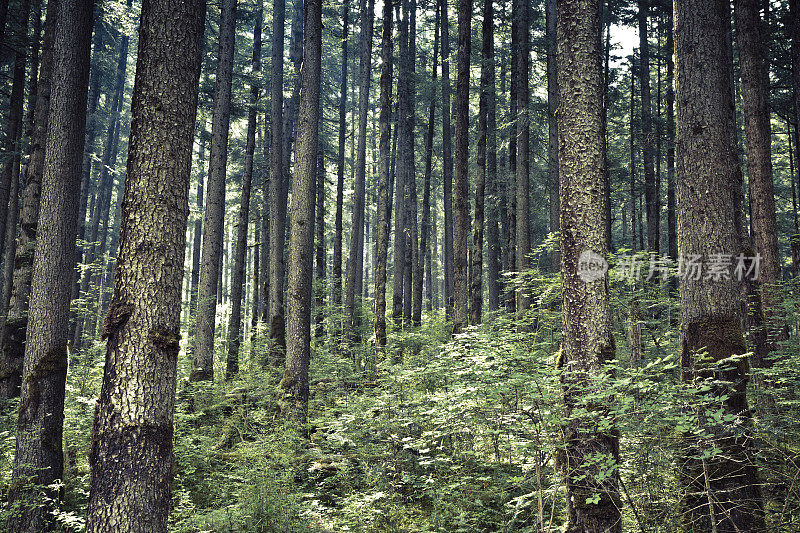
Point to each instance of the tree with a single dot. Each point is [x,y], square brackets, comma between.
[234,335]
[487,86]
[755,103]
[384,190]
[460,191]
[131,455]
[214,214]
[651,200]
[357,237]
[337,239]
[38,454]
[552,124]
[521,49]
[588,340]
[447,163]
[294,384]
[711,314]
[13,347]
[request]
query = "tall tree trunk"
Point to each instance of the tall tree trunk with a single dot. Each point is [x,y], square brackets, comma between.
[487,78]
[711,314]
[340,164]
[650,189]
[417,255]
[14,126]
[755,100]
[632,137]
[588,340]
[401,171]
[131,455]
[460,190]
[672,228]
[552,126]
[424,238]
[197,238]
[214,215]
[235,321]
[493,189]
[520,23]
[384,191]
[294,384]
[352,307]
[278,191]
[447,163]
[38,454]
[319,252]
[17,320]
[794,17]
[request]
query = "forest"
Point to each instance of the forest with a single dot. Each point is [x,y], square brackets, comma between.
[409,266]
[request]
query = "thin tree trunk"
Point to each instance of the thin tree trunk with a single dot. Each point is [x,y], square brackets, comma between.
[632,137]
[521,21]
[650,189]
[294,385]
[417,257]
[711,313]
[131,455]
[197,243]
[235,321]
[17,320]
[588,340]
[319,253]
[672,228]
[340,164]
[384,191]
[352,307]
[763,225]
[552,127]
[38,454]
[460,190]
[447,163]
[401,172]
[214,215]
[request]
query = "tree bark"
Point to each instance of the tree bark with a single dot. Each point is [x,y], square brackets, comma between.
[652,207]
[197,238]
[672,228]
[352,307]
[340,164]
[131,455]
[447,163]
[708,175]
[38,455]
[17,319]
[384,191]
[319,252]
[235,320]
[763,225]
[552,126]
[520,24]
[294,385]
[214,215]
[588,340]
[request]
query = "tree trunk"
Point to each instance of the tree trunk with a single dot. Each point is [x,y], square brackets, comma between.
[552,126]
[711,314]
[650,189]
[520,23]
[278,192]
[352,307]
[487,78]
[235,321]
[131,455]
[672,228]
[794,17]
[340,164]
[319,253]
[417,255]
[294,385]
[588,340]
[447,163]
[197,242]
[38,455]
[755,103]
[632,137]
[17,320]
[214,215]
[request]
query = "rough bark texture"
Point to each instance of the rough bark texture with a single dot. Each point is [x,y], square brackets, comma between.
[672,224]
[294,385]
[520,26]
[38,455]
[417,270]
[552,126]
[340,164]
[650,188]
[384,191]
[352,306]
[588,340]
[460,190]
[17,320]
[487,78]
[755,100]
[197,238]
[214,215]
[707,178]
[131,455]
[319,251]
[447,163]
[278,192]
[794,17]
